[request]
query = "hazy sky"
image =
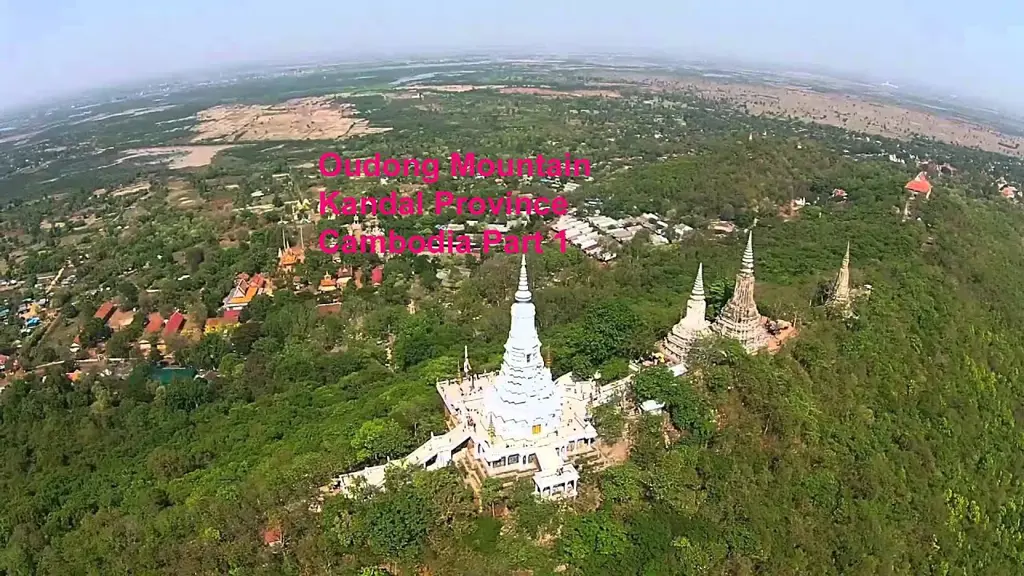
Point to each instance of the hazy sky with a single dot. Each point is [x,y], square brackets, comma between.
[61,46]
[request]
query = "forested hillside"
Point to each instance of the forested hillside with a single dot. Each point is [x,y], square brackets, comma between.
[888,443]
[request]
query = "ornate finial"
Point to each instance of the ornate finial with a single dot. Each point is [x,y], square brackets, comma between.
[465,362]
[748,255]
[523,291]
[547,358]
[698,284]
[846,258]
[490,426]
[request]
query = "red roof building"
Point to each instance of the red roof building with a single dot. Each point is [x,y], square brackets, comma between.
[273,537]
[920,185]
[154,322]
[174,324]
[105,310]
[377,275]
[233,315]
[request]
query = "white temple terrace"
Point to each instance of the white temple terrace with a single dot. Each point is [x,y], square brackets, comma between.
[514,422]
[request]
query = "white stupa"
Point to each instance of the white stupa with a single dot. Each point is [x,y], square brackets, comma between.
[524,400]
[694,325]
[513,422]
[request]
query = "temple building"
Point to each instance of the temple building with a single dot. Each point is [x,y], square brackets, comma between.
[515,422]
[289,256]
[693,326]
[740,319]
[920,186]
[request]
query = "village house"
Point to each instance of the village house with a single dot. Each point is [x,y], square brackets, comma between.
[104,311]
[120,319]
[224,323]
[154,323]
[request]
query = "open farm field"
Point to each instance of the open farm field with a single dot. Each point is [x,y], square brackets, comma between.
[848,111]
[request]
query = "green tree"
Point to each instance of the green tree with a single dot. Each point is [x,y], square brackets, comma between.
[380,438]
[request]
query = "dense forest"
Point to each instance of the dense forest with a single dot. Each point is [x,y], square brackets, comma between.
[887,443]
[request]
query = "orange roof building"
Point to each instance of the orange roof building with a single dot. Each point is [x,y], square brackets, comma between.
[327,283]
[105,310]
[229,320]
[289,256]
[920,185]
[245,290]
[154,322]
[121,319]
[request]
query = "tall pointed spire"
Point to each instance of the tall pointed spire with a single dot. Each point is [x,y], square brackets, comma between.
[523,291]
[301,243]
[524,400]
[740,319]
[748,256]
[697,294]
[694,324]
[284,238]
[465,362]
[840,295]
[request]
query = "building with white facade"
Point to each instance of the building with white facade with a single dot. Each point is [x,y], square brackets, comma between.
[514,422]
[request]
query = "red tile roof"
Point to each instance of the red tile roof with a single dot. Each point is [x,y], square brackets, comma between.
[920,184]
[272,536]
[232,315]
[105,311]
[377,275]
[154,323]
[174,323]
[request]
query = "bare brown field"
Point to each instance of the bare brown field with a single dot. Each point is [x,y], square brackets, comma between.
[548,92]
[319,118]
[450,87]
[133,189]
[846,111]
[183,156]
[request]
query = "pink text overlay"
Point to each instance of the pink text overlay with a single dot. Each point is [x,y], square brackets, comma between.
[429,169]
